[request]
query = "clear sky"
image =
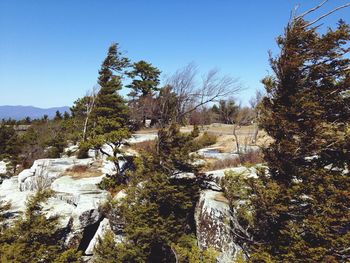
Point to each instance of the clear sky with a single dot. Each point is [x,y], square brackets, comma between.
[51,50]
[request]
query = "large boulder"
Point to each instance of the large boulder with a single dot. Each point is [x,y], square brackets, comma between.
[213,222]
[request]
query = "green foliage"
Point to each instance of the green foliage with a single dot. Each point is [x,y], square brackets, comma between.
[187,251]
[33,237]
[205,140]
[110,184]
[69,256]
[158,213]
[110,114]
[301,207]
[158,208]
[237,189]
[58,116]
[107,250]
[4,207]
[240,258]
[83,151]
[10,147]
[174,148]
[226,111]
[145,78]
[56,144]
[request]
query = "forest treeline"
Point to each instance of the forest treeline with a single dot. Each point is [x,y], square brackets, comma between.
[296,210]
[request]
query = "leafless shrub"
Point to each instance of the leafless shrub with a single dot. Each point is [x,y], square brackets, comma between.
[247,159]
[145,146]
[252,158]
[41,180]
[224,163]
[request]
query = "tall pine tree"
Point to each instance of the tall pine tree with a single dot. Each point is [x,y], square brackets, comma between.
[110,114]
[302,206]
[145,80]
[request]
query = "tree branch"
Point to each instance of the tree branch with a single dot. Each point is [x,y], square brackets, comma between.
[327,14]
[311,10]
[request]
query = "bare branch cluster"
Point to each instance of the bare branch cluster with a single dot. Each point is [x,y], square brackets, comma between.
[192,94]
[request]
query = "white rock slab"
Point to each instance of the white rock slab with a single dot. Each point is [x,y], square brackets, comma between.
[213,225]
[9,192]
[45,171]
[103,227]
[2,167]
[136,138]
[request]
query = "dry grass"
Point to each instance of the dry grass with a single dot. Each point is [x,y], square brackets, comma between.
[224,133]
[82,171]
[221,164]
[247,159]
[252,158]
[145,146]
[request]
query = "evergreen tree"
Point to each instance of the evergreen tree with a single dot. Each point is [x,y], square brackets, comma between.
[302,206]
[58,116]
[110,114]
[34,238]
[10,147]
[226,111]
[45,118]
[159,205]
[66,116]
[145,78]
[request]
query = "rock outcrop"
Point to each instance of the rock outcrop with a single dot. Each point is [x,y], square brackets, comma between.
[45,171]
[2,167]
[213,223]
[75,199]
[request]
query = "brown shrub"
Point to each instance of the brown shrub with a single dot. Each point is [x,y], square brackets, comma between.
[224,163]
[82,171]
[78,169]
[252,158]
[146,146]
[247,159]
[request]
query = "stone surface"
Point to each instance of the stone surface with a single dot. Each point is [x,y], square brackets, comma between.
[45,171]
[2,167]
[103,227]
[213,222]
[217,175]
[214,152]
[136,138]
[75,200]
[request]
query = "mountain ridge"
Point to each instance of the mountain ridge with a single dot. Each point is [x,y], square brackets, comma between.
[18,112]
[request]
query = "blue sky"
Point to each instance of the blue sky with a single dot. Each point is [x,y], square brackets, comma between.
[50,51]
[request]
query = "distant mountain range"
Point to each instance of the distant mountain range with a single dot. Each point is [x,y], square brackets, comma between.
[21,112]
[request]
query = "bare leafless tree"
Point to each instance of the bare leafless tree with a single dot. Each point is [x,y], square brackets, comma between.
[254,104]
[192,94]
[89,106]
